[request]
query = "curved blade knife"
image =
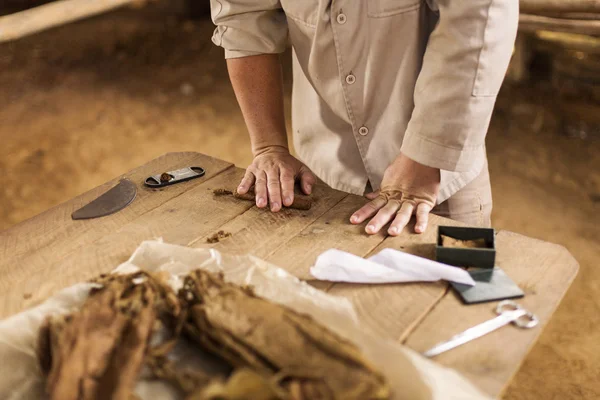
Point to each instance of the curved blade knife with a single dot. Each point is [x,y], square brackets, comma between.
[108,203]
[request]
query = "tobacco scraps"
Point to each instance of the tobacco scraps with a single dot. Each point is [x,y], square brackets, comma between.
[217,237]
[448,241]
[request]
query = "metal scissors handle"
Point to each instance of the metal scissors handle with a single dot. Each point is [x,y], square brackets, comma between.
[508,312]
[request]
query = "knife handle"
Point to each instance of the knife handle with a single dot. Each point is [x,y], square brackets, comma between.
[173,177]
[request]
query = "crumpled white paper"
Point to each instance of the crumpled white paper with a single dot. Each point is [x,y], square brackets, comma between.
[387,266]
[410,375]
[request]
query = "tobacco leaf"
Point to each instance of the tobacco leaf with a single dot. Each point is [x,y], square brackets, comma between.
[305,358]
[243,384]
[187,381]
[278,354]
[97,352]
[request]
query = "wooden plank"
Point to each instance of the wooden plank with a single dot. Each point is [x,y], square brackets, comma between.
[394,310]
[390,310]
[544,6]
[532,23]
[181,220]
[261,232]
[331,230]
[37,19]
[55,223]
[543,270]
[187,219]
[52,234]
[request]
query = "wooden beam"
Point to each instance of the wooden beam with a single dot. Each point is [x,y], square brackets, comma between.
[548,6]
[530,23]
[18,25]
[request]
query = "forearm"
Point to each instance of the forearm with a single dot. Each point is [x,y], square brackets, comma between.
[258,85]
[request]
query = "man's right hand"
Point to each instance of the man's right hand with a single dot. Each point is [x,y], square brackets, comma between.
[273,173]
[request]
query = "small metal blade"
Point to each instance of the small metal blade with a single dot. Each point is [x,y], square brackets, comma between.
[110,202]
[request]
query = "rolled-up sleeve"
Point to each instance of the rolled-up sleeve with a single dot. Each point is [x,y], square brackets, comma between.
[463,68]
[249,27]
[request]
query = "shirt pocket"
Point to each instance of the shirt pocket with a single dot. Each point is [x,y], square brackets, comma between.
[303,11]
[388,8]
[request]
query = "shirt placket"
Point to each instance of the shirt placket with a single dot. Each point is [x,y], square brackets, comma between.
[341,24]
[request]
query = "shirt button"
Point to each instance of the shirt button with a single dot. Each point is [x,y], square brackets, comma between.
[363,131]
[341,19]
[350,79]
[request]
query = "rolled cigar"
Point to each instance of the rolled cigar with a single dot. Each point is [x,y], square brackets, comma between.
[300,202]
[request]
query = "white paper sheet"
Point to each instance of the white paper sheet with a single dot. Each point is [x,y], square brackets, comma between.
[388,266]
[411,376]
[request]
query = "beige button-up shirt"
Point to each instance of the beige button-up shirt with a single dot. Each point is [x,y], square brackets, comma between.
[373,78]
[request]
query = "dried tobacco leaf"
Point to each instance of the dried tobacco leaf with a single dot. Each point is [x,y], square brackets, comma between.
[187,381]
[97,352]
[243,384]
[308,360]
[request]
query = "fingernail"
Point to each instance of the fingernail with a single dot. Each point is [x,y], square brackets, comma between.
[261,202]
[393,231]
[287,200]
[370,228]
[275,206]
[307,189]
[354,219]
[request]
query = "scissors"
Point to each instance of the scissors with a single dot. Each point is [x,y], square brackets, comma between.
[508,312]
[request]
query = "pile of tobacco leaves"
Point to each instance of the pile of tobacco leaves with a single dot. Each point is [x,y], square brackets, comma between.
[273,352]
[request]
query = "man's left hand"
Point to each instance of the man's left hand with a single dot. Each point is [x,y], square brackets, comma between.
[407,188]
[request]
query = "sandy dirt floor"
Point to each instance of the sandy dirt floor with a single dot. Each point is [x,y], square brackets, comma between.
[86,102]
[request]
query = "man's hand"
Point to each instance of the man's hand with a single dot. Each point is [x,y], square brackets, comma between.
[407,187]
[257,81]
[273,173]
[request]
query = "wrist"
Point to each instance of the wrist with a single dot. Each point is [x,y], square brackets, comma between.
[270,149]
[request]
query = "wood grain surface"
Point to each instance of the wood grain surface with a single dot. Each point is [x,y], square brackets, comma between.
[50,251]
[544,271]
[52,234]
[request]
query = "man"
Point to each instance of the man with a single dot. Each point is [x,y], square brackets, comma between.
[393,96]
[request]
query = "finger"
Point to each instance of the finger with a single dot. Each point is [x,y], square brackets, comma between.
[372,195]
[368,210]
[274,189]
[402,218]
[260,188]
[246,183]
[423,210]
[287,186]
[307,180]
[385,215]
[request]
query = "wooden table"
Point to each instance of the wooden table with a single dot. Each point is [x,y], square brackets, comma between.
[51,251]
